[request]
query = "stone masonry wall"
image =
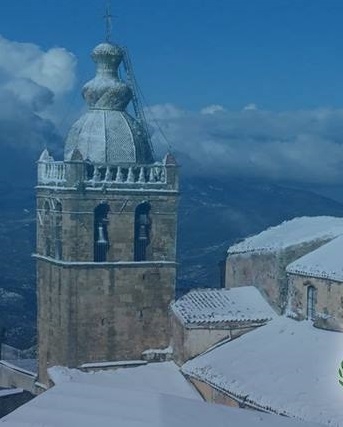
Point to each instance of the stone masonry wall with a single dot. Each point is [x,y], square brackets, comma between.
[78,223]
[328,301]
[266,271]
[97,313]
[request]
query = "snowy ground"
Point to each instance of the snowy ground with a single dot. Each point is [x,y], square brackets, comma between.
[155,395]
[288,367]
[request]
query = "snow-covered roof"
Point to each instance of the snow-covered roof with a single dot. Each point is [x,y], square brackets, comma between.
[212,306]
[290,233]
[288,367]
[325,262]
[155,395]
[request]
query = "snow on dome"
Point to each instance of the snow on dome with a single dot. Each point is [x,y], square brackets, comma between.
[107,49]
[325,262]
[290,233]
[107,132]
[287,367]
[225,305]
[106,90]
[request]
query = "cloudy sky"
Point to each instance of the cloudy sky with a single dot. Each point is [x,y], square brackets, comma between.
[242,87]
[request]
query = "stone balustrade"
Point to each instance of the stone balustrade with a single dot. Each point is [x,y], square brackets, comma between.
[51,172]
[59,173]
[100,174]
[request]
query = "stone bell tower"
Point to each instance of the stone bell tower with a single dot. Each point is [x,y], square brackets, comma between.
[106,231]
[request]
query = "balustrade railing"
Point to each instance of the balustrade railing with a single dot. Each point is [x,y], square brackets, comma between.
[54,172]
[152,174]
[51,171]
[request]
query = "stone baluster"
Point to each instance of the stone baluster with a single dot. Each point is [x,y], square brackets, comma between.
[130,175]
[108,175]
[141,175]
[97,174]
[60,175]
[152,175]
[119,176]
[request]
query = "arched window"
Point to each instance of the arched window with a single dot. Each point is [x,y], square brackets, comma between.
[142,231]
[58,230]
[47,229]
[311,302]
[101,242]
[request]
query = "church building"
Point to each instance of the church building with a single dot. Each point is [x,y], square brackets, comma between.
[106,230]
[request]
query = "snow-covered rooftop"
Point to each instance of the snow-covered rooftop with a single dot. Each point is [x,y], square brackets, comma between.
[287,367]
[325,262]
[291,233]
[212,306]
[155,395]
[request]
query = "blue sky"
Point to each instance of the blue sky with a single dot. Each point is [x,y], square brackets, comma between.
[278,54]
[249,88]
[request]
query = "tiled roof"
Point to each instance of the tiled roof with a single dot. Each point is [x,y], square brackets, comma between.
[291,233]
[325,262]
[212,306]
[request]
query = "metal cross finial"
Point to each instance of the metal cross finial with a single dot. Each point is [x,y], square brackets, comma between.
[108,19]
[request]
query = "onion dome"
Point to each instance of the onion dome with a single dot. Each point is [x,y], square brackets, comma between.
[107,133]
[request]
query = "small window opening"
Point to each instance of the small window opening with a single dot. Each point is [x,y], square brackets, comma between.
[101,241]
[311,301]
[142,231]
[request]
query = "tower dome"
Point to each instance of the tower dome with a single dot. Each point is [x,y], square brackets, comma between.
[107,133]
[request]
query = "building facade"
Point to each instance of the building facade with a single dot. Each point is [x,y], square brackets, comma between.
[106,231]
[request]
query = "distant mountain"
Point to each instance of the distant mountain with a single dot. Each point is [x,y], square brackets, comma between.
[214,213]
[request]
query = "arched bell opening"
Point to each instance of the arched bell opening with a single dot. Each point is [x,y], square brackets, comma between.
[101,241]
[142,231]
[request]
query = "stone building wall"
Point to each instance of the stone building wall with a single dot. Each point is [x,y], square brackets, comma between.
[328,301]
[78,223]
[94,313]
[15,378]
[189,342]
[266,271]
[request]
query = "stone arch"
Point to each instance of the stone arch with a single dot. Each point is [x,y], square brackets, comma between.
[142,231]
[101,240]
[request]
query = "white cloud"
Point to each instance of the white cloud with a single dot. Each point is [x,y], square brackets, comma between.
[301,146]
[250,106]
[212,109]
[53,69]
[33,82]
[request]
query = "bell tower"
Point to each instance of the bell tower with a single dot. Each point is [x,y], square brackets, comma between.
[106,231]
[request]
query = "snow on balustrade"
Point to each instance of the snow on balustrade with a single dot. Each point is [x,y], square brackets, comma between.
[52,171]
[152,174]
